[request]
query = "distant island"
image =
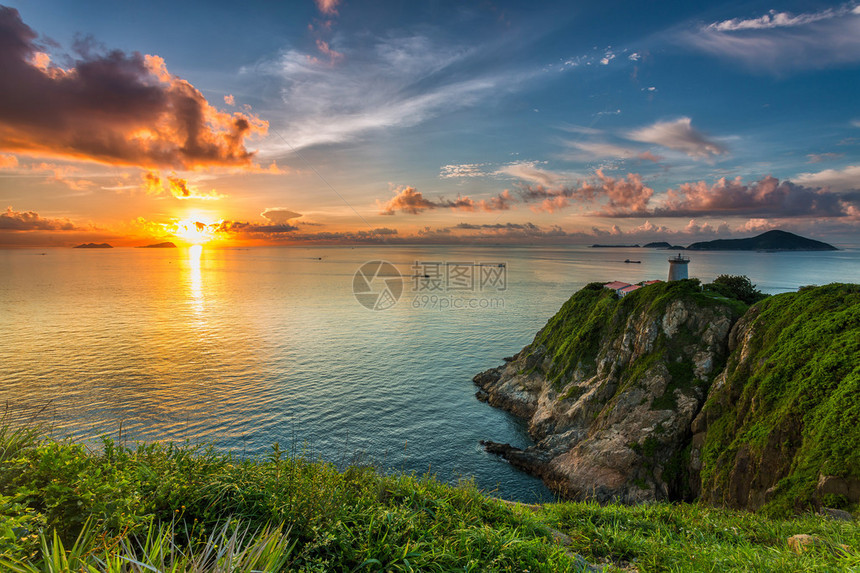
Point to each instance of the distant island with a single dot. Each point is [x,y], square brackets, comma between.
[93,246]
[769,241]
[772,241]
[165,245]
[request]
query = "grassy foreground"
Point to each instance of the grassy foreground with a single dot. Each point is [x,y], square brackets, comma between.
[162,507]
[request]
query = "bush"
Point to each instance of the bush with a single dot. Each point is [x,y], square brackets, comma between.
[738,287]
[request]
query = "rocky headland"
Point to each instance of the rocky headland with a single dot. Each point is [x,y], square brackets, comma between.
[678,391]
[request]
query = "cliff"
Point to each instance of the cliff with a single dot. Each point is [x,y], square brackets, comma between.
[610,388]
[781,426]
[675,392]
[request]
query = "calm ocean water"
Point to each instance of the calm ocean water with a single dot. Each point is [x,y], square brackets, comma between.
[243,348]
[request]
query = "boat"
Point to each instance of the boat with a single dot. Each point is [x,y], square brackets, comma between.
[629,261]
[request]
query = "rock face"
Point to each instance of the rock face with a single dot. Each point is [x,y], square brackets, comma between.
[668,394]
[781,426]
[610,387]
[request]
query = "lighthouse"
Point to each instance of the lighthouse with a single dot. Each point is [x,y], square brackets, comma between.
[678,267]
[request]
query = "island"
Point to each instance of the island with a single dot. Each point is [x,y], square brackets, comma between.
[614,246]
[775,240]
[165,245]
[658,245]
[93,246]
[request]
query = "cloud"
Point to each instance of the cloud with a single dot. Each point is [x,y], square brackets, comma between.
[767,197]
[462,170]
[528,171]
[501,202]
[113,108]
[409,200]
[821,157]
[328,7]
[774,19]
[615,196]
[155,184]
[250,230]
[680,136]
[403,81]
[31,221]
[8,161]
[278,215]
[844,179]
[600,150]
[333,55]
[648,156]
[229,99]
[631,197]
[778,42]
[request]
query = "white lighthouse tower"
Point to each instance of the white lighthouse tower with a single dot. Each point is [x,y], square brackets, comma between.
[678,267]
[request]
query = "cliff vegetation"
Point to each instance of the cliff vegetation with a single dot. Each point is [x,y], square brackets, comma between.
[680,391]
[165,507]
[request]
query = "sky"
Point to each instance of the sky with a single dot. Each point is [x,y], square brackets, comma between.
[347,122]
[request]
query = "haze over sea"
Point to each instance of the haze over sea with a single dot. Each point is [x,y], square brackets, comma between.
[241,348]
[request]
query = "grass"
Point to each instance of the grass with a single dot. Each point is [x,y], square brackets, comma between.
[795,394]
[688,537]
[165,507]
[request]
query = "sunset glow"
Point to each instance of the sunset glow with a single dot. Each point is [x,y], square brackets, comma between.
[194,232]
[336,123]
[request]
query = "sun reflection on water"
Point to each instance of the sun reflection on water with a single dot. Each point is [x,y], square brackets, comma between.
[195,280]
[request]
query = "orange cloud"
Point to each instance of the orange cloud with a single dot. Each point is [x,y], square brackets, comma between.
[117,109]
[333,55]
[31,221]
[409,200]
[155,184]
[328,6]
[8,161]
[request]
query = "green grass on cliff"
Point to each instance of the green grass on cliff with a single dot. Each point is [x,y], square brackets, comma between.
[162,507]
[792,408]
[595,315]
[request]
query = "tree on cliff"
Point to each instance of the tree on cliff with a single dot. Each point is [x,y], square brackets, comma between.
[738,287]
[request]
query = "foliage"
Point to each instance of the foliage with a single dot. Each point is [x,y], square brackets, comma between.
[290,513]
[738,287]
[69,503]
[789,403]
[594,316]
[689,537]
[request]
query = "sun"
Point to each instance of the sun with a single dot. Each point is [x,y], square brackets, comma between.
[194,231]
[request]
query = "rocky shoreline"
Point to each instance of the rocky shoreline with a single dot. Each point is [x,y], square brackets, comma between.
[614,392]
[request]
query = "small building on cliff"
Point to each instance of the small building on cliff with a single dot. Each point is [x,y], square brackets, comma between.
[616,286]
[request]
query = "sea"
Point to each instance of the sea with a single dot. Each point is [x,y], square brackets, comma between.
[345,354]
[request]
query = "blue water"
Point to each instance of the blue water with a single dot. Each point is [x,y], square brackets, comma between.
[241,348]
